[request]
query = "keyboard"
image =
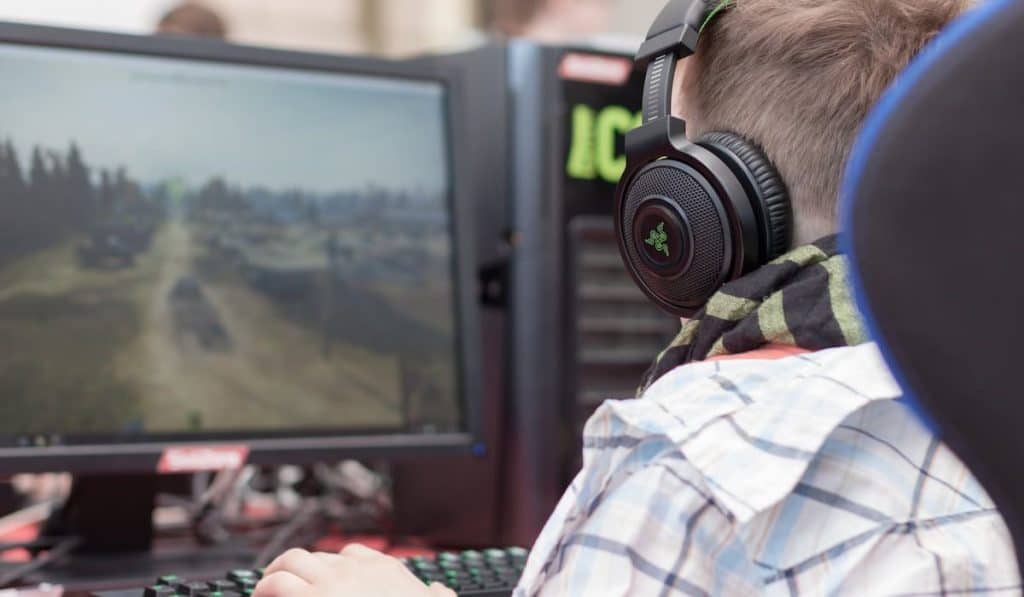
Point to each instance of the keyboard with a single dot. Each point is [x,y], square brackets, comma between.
[471,573]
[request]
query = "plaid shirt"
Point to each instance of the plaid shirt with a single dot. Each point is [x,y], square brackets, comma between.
[802,476]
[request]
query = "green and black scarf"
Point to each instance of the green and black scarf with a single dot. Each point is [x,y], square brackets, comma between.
[800,299]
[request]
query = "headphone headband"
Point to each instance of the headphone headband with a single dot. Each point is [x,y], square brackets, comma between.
[691,215]
[676,30]
[673,35]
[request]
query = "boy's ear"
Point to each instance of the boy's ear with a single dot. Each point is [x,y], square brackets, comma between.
[684,91]
[677,87]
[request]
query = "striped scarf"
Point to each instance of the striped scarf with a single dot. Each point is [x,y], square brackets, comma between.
[800,299]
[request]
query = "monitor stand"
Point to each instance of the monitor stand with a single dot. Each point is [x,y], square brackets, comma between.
[112,515]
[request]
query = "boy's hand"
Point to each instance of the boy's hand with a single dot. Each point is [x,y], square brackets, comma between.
[355,572]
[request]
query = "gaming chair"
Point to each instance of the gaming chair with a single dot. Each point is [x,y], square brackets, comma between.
[933,214]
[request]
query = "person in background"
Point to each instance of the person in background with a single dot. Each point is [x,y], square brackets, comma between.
[192,19]
[769,451]
[552,21]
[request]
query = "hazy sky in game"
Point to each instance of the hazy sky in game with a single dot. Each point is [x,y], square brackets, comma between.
[163,118]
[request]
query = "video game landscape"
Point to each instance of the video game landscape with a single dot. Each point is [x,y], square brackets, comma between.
[254,269]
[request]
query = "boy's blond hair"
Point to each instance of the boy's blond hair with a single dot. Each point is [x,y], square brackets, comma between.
[797,77]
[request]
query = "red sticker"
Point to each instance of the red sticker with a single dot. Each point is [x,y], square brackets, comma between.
[191,459]
[595,68]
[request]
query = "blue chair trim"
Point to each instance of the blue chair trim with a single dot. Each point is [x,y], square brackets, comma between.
[931,57]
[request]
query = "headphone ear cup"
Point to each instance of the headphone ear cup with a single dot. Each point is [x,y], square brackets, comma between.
[674,234]
[771,198]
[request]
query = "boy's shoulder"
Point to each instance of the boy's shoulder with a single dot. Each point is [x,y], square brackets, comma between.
[807,465]
[750,428]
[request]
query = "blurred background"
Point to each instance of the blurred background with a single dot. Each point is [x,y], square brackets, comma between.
[382,27]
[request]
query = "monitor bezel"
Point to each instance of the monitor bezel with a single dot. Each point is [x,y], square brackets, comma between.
[275,447]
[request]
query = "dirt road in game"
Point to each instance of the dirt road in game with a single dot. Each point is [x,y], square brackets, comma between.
[205,339]
[156,346]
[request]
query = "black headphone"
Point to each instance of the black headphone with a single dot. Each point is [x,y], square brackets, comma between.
[692,216]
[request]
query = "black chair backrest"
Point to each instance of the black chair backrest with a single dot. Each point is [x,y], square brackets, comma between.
[933,214]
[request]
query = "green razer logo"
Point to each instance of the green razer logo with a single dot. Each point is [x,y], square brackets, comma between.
[658,239]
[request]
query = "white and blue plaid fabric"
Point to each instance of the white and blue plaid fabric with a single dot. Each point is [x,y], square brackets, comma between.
[801,476]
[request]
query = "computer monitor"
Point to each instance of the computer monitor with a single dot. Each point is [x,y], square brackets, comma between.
[203,243]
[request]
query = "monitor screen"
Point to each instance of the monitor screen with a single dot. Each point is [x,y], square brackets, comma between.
[199,249]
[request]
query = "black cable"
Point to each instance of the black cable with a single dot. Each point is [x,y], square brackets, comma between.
[287,532]
[33,545]
[55,554]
